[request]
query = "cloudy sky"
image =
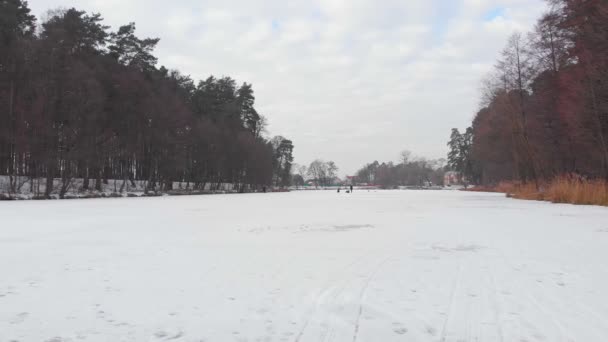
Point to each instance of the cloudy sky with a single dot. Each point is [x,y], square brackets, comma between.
[347,80]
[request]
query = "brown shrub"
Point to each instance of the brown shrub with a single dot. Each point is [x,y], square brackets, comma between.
[571,188]
[577,190]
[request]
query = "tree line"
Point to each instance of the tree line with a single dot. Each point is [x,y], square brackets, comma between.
[545,106]
[319,173]
[409,171]
[80,101]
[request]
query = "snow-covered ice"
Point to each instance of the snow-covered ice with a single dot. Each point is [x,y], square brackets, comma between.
[304,266]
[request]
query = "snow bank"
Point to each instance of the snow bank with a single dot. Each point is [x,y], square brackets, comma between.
[28,188]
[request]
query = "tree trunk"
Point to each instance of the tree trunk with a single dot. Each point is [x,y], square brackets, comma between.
[12,169]
[97,179]
[132,179]
[49,181]
[85,182]
[603,141]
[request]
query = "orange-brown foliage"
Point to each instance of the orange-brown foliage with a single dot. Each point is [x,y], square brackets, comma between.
[571,189]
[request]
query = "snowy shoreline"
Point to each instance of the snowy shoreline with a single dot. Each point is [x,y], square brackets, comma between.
[33,189]
[101,195]
[28,189]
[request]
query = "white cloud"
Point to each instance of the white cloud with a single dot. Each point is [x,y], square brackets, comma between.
[347,80]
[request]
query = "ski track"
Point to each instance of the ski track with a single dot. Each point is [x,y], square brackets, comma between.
[362,296]
[450,306]
[441,266]
[495,306]
[329,290]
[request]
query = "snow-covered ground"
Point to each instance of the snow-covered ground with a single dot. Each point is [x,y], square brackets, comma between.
[304,266]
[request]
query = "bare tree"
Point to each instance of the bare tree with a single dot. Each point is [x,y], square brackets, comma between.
[405,156]
[518,69]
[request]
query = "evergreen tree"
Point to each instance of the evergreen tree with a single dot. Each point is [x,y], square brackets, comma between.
[132,51]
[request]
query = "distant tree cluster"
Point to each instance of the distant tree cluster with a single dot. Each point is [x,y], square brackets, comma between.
[323,173]
[79,101]
[408,172]
[545,107]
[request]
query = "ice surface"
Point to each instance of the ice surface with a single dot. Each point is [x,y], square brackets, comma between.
[304,266]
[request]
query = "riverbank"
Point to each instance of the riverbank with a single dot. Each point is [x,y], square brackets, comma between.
[25,188]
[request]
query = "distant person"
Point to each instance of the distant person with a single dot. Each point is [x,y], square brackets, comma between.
[351,189]
[338,190]
[264,189]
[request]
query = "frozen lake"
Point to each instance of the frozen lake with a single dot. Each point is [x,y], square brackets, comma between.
[304,266]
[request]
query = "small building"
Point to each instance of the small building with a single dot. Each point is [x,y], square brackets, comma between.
[350,180]
[452,178]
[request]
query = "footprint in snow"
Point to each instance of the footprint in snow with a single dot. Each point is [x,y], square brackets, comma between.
[459,248]
[262,311]
[19,318]
[165,336]
[55,339]
[399,329]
